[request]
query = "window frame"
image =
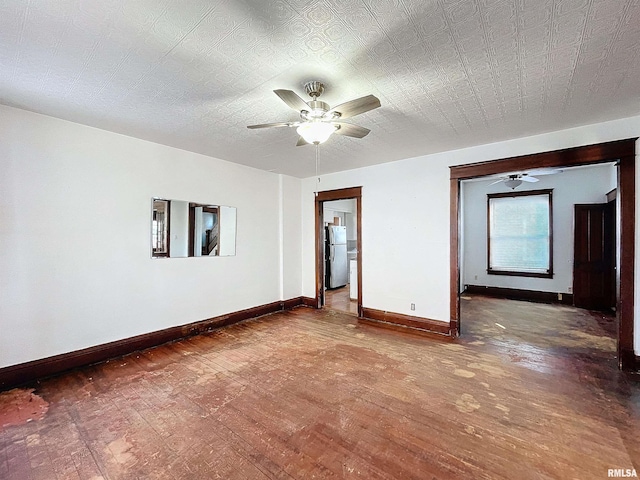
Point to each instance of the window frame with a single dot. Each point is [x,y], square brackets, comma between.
[491,271]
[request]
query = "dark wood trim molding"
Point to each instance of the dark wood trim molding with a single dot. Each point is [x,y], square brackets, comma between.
[291,303]
[192,229]
[506,273]
[319,248]
[327,196]
[598,153]
[521,193]
[29,372]
[420,323]
[454,253]
[622,151]
[309,302]
[401,329]
[520,294]
[359,247]
[625,268]
[339,194]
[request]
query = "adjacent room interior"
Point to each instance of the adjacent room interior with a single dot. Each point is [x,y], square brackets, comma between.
[340,251]
[509,242]
[296,239]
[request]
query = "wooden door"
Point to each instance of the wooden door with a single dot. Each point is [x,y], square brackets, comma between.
[592,257]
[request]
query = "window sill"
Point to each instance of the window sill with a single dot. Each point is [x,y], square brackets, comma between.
[521,274]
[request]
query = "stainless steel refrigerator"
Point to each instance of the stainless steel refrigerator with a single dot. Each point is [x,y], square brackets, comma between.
[337,272]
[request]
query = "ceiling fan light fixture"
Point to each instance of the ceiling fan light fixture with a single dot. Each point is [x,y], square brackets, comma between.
[512,183]
[316,132]
[317,117]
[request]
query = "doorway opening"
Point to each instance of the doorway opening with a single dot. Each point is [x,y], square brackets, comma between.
[339,250]
[546,248]
[622,152]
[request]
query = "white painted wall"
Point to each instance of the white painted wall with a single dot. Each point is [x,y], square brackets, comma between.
[461,241]
[348,205]
[329,215]
[291,237]
[228,221]
[581,185]
[198,227]
[346,210]
[351,222]
[405,219]
[179,229]
[405,235]
[75,264]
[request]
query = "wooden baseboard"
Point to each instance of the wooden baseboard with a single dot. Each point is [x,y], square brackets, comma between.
[292,303]
[23,373]
[404,330]
[420,323]
[310,302]
[520,294]
[629,361]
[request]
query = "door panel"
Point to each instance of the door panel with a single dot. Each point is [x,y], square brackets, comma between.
[592,257]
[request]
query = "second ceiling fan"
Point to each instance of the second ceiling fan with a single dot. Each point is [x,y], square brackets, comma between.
[317,120]
[513,180]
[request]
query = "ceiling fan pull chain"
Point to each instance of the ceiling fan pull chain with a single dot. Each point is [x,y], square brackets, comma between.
[317,184]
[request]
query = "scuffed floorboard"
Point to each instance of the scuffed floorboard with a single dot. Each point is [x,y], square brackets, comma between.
[313,394]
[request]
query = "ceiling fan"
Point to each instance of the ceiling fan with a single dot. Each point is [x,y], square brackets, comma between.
[513,180]
[317,120]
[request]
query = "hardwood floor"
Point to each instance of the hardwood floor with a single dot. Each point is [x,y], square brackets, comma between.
[338,299]
[313,394]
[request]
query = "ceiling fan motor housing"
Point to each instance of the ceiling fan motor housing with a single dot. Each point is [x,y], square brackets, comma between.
[317,109]
[314,88]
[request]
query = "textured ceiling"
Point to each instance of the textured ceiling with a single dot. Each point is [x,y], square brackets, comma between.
[449,74]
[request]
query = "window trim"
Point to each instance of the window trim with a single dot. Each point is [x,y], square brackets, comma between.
[491,271]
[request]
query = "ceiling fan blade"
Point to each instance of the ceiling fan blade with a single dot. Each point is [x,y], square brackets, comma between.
[356,107]
[497,181]
[301,142]
[527,178]
[350,130]
[544,171]
[292,99]
[269,125]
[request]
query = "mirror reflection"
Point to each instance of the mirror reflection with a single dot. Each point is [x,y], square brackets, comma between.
[188,229]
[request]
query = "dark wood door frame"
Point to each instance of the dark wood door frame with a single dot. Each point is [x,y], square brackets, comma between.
[622,151]
[327,196]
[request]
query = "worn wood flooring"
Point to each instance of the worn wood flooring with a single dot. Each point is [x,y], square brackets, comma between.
[313,394]
[338,299]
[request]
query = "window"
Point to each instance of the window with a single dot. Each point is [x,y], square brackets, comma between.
[519,230]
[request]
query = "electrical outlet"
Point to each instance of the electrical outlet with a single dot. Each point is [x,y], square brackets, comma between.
[413,306]
[475,277]
[559,296]
[570,289]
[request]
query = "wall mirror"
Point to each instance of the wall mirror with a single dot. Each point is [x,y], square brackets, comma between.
[187,229]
